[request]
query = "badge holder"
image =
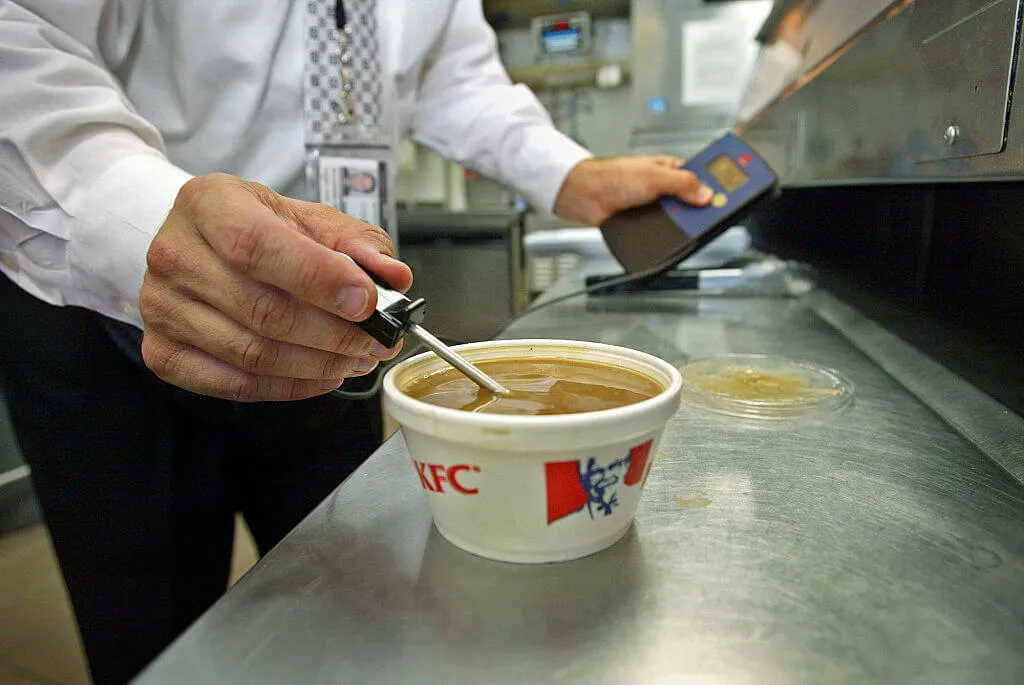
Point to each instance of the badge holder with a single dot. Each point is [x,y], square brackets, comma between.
[349,146]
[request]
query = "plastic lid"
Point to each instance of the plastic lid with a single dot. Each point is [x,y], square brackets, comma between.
[761,386]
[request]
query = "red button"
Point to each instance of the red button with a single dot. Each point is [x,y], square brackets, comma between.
[745,160]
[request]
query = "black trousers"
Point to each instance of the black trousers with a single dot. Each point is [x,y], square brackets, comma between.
[139,481]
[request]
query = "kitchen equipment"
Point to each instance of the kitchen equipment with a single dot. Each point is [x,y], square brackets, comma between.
[465,262]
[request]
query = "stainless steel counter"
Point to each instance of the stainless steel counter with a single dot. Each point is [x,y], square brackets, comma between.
[884,545]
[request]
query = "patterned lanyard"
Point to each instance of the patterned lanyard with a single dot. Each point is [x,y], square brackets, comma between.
[343,73]
[347,113]
[349,136]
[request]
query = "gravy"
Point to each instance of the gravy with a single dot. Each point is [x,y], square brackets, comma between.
[538,386]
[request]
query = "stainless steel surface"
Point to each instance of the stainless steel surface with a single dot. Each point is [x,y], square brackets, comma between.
[455,359]
[880,545]
[924,94]
[995,430]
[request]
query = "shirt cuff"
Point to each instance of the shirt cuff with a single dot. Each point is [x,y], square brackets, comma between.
[114,226]
[545,159]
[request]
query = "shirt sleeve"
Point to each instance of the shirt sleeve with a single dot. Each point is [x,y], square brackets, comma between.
[471,113]
[84,183]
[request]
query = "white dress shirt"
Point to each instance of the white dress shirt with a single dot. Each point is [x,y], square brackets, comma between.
[108,106]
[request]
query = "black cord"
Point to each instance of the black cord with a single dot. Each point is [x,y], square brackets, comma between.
[340,20]
[378,381]
[601,285]
[383,369]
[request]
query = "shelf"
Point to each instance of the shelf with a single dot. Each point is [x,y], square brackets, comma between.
[581,74]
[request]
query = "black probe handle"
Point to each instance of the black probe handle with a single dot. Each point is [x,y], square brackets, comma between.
[393,315]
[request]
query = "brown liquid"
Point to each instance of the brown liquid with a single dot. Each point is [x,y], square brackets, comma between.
[538,386]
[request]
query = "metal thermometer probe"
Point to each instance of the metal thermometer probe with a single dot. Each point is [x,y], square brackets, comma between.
[446,353]
[396,314]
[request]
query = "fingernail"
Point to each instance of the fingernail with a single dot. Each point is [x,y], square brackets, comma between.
[328,384]
[705,194]
[381,352]
[364,364]
[351,300]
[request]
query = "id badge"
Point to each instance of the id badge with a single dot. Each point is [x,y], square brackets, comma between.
[355,181]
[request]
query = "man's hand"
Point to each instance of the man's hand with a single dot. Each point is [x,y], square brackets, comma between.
[247,298]
[597,188]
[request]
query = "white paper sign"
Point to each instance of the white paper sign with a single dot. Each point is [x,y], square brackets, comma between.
[715,60]
[351,186]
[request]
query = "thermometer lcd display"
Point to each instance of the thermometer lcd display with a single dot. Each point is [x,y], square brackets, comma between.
[727,172]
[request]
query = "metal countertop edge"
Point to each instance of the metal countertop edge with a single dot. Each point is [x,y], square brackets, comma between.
[990,426]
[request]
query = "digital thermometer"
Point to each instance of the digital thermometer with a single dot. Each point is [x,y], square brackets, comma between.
[658,236]
[395,315]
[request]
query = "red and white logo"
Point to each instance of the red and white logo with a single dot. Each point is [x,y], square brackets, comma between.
[573,486]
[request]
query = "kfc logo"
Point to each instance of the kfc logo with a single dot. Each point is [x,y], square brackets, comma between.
[434,477]
[573,486]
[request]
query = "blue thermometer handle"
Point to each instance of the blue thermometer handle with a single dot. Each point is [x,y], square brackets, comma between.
[659,235]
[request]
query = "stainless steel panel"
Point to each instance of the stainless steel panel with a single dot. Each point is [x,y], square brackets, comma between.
[800,35]
[924,96]
[968,64]
[995,430]
[881,545]
[833,23]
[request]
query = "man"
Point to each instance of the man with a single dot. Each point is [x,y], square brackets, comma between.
[114,117]
[360,182]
